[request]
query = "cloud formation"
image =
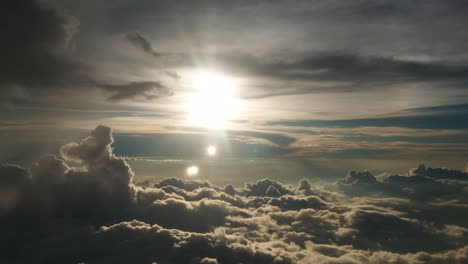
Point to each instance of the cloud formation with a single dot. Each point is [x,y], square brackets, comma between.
[147,90]
[34,48]
[141,43]
[93,213]
[40,59]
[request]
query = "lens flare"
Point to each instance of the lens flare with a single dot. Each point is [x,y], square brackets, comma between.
[211,151]
[192,171]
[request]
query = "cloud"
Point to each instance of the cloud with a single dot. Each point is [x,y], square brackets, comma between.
[12,181]
[332,72]
[92,212]
[438,173]
[417,185]
[265,187]
[35,47]
[317,72]
[147,90]
[40,58]
[350,55]
[141,43]
[183,184]
[359,177]
[439,121]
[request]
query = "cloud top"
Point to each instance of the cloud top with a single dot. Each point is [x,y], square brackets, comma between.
[93,213]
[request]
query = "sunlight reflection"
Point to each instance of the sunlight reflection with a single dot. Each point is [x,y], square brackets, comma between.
[192,171]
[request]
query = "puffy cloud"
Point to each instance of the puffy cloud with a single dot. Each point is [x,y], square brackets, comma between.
[439,173]
[49,169]
[186,185]
[359,177]
[94,148]
[94,214]
[421,183]
[261,187]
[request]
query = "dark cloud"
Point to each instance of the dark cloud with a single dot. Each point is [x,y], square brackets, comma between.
[359,177]
[439,173]
[141,43]
[147,90]
[440,121]
[417,185]
[12,181]
[399,48]
[265,187]
[39,57]
[279,139]
[334,71]
[35,46]
[183,184]
[352,67]
[457,108]
[58,213]
[328,71]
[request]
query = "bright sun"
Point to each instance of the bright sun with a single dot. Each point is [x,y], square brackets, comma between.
[213,102]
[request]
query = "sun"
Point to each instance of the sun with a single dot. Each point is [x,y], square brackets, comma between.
[213,102]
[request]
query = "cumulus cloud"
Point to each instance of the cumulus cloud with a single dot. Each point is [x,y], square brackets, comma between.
[420,183]
[359,177]
[93,213]
[438,173]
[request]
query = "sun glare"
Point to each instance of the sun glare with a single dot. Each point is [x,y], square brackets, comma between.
[192,171]
[213,102]
[211,151]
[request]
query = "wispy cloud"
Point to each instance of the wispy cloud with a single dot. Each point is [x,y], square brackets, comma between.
[147,90]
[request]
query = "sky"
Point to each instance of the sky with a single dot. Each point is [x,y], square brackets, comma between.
[264,113]
[348,81]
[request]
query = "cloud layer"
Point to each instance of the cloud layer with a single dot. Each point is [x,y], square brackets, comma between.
[92,213]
